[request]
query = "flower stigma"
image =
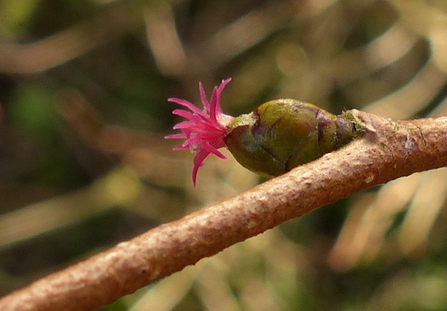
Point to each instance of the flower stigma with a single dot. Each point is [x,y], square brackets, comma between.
[204,130]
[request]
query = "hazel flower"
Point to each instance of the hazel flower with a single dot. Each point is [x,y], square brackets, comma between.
[204,130]
[271,140]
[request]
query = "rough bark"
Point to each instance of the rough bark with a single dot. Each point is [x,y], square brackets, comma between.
[388,150]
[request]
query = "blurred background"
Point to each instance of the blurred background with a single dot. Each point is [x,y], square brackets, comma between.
[83,162]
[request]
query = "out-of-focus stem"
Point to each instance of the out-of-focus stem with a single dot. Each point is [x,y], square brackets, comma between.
[387,150]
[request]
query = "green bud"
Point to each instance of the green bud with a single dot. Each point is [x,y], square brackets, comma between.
[284,133]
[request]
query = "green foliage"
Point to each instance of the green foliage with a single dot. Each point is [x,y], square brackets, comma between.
[15,15]
[33,111]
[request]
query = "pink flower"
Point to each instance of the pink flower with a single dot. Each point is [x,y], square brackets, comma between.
[204,129]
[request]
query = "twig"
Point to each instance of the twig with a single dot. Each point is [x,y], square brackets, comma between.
[388,150]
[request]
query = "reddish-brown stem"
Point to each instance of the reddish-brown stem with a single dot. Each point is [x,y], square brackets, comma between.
[388,150]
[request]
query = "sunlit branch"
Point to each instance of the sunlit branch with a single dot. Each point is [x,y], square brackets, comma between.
[387,151]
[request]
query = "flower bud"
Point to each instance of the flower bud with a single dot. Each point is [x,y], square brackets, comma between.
[284,133]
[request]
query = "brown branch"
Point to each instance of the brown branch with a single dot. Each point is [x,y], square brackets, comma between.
[387,151]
